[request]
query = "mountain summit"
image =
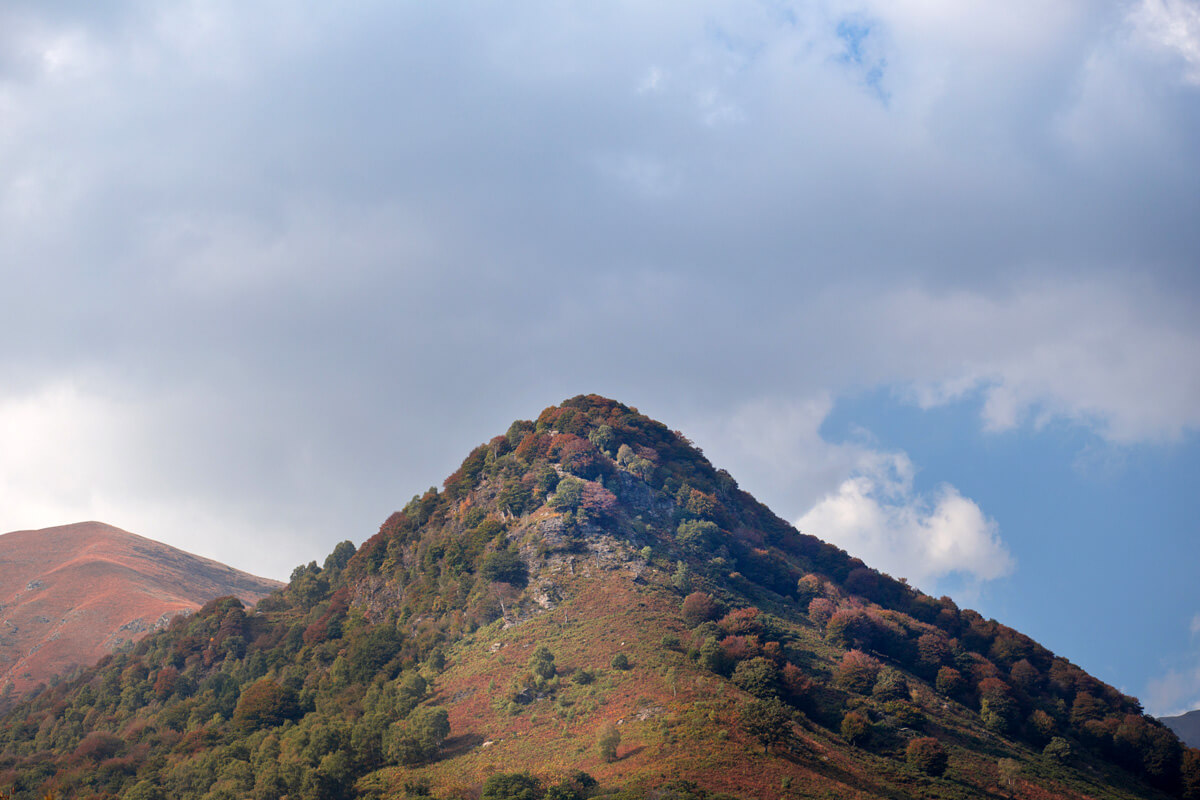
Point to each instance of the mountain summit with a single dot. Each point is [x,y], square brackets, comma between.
[71,594]
[588,607]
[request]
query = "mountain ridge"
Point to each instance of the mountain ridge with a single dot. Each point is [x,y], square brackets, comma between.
[71,593]
[1186,727]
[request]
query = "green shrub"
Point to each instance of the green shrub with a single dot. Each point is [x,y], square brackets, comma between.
[758,676]
[568,495]
[890,685]
[608,740]
[1058,749]
[768,721]
[542,662]
[417,739]
[855,728]
[504,566]
[511,786]
[698,534]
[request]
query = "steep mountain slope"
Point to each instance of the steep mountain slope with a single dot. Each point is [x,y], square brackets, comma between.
[71,594]
[587,600]
[1186,727]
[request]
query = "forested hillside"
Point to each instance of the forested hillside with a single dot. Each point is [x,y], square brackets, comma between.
[588,607]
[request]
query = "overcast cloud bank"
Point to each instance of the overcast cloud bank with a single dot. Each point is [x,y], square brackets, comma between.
[269,270]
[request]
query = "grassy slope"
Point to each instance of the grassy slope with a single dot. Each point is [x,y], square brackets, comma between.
[688,728]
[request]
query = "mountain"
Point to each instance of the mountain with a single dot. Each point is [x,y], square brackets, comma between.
[1186,727]
[71,594]
[587,607]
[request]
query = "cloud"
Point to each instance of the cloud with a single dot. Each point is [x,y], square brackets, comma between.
[76,450]
[880,519]
[1174,693]
[1115,356]
[1171,27]
[854,494]
[1177,689]
[322,254]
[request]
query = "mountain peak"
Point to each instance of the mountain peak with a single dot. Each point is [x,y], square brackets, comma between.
[587,592]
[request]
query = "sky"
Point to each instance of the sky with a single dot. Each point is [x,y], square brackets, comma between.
[924,276]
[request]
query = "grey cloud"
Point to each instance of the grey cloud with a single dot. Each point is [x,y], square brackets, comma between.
[322,253]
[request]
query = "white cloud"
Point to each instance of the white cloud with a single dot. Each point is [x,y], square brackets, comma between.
[54,431]
[1177,690]
[774,447]
[1111,355]
[880,519]
[856,496]
[651,82]
[1171,27]
[70,451]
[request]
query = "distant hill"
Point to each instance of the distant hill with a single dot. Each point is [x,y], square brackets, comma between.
[71,594]
[1186,727]
[589,608]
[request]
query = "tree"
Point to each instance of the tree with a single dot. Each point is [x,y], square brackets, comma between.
[855,727]
[712,657]
[1008,770]
[742,621]
[166,682]
[809,588]
[699,607]
[927,754]
[698,534]
[857,672]
[768,721]
[603,437]
[1025,676]
[850,627]
[1189,774]
[820,611]
[950,682]
[998,714]
[758,676]
[620,661]
[542,663]
[576,785]
[890,685]
[1041,725]
[265,703]
[932,651]
[568,495]
[607,741]
[340,557]
[417,739]
[1058,749]
[504,566]
[99,745]
[370,651]
[142,790]
[511,786]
